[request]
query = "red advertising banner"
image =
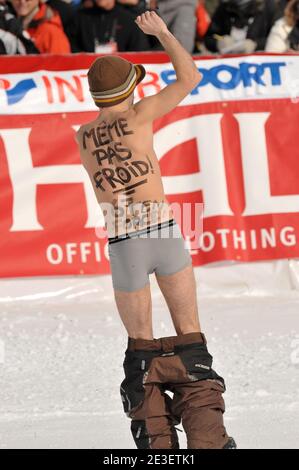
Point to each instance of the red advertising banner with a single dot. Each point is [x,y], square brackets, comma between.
[232,145]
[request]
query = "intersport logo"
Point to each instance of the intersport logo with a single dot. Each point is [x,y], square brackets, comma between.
[229,77]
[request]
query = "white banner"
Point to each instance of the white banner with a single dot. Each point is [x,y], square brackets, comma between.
[238,78]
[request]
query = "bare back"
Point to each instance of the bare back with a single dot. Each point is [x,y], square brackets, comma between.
[117,153]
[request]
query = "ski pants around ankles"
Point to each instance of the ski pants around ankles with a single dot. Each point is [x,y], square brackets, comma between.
[182,365]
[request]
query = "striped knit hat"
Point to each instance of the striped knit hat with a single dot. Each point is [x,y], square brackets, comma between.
[112,79]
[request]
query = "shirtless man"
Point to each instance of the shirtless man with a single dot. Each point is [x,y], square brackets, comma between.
[143,237]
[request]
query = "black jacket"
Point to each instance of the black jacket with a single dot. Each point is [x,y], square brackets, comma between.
[294,37]
[96,23]
[65,10]
[259,17]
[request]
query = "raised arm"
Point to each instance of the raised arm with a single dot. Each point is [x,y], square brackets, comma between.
[187,74]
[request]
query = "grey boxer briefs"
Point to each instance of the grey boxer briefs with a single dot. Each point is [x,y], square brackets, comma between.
[159,248]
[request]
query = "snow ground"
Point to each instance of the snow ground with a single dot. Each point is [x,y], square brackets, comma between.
[61,353]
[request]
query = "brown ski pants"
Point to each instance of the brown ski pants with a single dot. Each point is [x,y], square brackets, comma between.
[182,365]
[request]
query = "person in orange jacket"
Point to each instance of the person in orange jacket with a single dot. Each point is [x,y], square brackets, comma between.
[44,26]
[203,19]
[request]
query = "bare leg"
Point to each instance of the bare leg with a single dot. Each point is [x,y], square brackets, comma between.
[179,291]
[135,310]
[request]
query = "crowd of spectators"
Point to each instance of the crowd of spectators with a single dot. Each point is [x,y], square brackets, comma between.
[107,26]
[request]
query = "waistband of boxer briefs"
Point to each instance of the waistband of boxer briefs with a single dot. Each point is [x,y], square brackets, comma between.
[166,344]
[136,233]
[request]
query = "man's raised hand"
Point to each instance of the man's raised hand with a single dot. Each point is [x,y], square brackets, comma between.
[150,23]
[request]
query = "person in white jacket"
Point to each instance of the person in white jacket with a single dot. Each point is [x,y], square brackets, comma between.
[282,37]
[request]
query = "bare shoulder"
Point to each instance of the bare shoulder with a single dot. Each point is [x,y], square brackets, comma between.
[80,132]
[149,108]
[127,121]
[83,129]
[137,106]
[140,117]
[80,138]
[157,105]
